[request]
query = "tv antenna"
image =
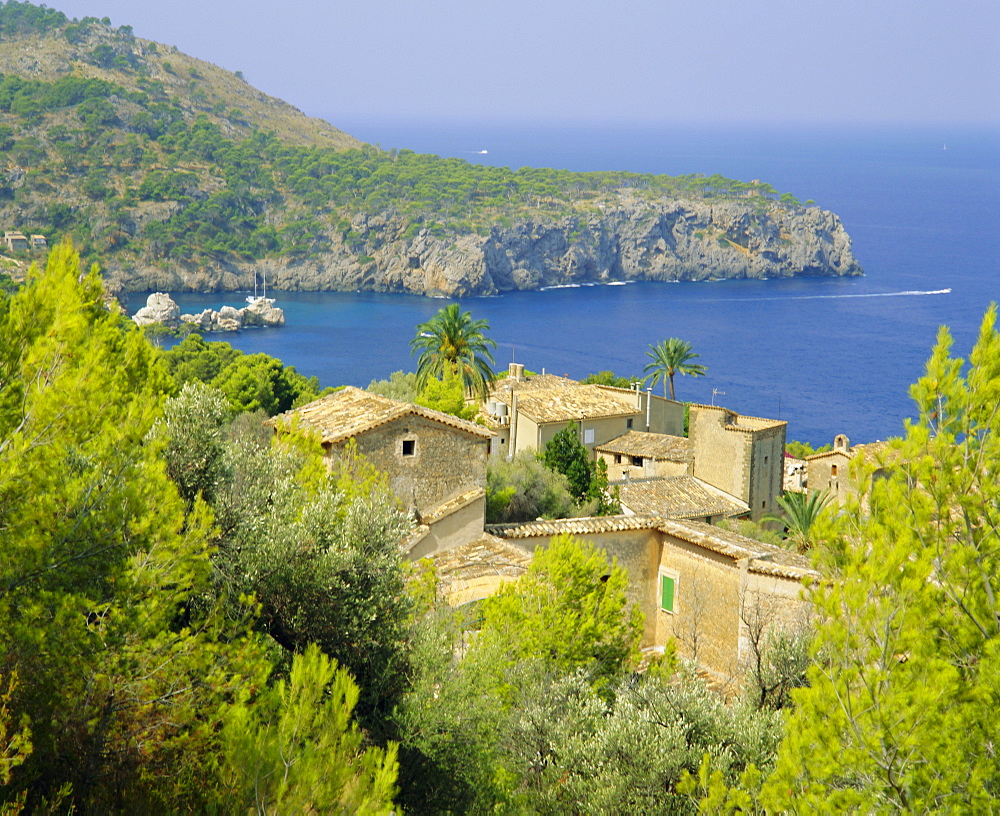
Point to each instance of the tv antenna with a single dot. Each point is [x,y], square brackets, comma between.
[716,392]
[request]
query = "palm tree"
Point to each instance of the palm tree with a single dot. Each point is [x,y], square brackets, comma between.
[452,343]
[671,357]
[800,511]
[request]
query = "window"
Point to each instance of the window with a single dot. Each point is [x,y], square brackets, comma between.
[588,436]
[636,461]
[409,447]
[628,424]
[668,592]
[618,458]
[833,470]
[765,460]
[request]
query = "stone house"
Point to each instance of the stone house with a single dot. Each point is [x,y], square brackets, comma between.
[710,590]
[15,240]
[741,455]
[525,412]
[638,455]
[39,242]
[435,462]
[830,470]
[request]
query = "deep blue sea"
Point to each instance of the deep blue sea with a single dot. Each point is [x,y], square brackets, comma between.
[829,355]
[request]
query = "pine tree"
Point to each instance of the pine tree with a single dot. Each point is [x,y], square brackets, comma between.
[900,713]
[119,678]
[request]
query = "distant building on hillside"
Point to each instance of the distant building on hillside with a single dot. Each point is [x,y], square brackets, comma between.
[15,241]
[39,241]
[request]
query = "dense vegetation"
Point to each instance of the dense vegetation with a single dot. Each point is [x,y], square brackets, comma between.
[132,161]
[198,616]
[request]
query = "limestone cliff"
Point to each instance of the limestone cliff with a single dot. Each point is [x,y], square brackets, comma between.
[635,240]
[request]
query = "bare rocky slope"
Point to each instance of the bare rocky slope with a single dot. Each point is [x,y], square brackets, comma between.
[174,174]
[665,240]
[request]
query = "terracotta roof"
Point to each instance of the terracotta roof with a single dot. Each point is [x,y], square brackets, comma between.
[474,569]
[866,449]
[738,422]
[352,411]
[764,558]
[650,446]
[564,404]
[533,383]
[678,497]
[573,526]
[455,503]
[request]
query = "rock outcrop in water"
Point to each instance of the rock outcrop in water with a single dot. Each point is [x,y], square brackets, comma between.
[161,309]
[637,240]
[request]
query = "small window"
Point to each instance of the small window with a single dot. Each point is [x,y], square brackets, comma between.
[636,461]
[668,592]
[628,424]
[618,458]
[409,447]
[588,436]
[833,470]
[765,460]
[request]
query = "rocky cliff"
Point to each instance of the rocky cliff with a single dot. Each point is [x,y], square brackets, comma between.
[635,240]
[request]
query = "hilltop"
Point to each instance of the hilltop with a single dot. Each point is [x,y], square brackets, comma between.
[176,174]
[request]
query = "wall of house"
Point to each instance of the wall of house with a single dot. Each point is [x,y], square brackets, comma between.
[721,457]
[465,524]
[650,468]
[706,622]
[665,416]
[771,604]
[767,461]
[830,471]
[604,429]
[444,461]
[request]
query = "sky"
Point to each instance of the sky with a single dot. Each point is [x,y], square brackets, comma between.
[628,61]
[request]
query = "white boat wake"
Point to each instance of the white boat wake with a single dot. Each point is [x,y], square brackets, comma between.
[905,293]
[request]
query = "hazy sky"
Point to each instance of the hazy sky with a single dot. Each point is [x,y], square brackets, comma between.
[818,61]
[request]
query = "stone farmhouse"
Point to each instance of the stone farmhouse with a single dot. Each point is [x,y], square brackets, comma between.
[711,590]
[436,463]
[640,455]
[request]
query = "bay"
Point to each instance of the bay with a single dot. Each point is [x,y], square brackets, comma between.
[828,355]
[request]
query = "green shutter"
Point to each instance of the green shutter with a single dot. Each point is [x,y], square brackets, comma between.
[667,593]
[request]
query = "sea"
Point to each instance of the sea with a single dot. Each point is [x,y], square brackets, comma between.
[829,355]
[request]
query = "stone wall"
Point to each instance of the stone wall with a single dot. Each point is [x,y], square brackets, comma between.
[767,460]
[721,457]
[705,621]
[427,462]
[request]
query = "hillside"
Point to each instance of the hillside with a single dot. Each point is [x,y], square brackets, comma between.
[178,175]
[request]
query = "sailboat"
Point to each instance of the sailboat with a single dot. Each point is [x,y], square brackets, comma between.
[252,299]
